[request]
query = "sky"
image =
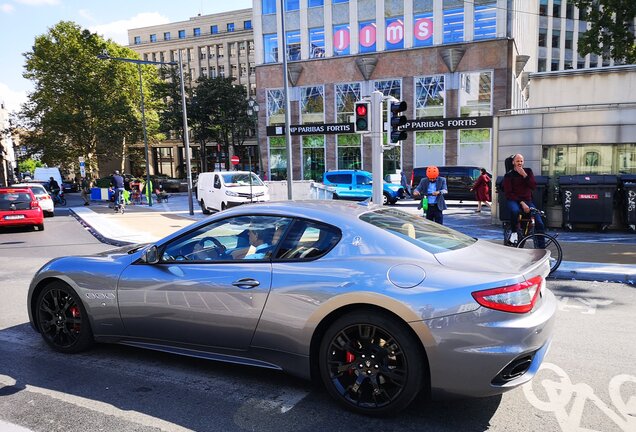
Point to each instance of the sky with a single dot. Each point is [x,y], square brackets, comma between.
[22,20]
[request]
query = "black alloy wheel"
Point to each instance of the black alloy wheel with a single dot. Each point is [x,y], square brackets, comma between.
[62,319]
[371,363]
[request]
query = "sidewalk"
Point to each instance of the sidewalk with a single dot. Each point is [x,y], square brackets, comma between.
[609,256]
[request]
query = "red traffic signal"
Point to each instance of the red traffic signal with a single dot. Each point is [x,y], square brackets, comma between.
[362,121]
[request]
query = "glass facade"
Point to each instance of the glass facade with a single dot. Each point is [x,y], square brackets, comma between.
[270,48]
[277,158]
[485,20]
[429,148]
[349,151]
[453,21]
[341,40]
[429,96]
[474,147]
[268,7]
[313,157]
[316,42]
[293,45]
[561,160]
[423,29]
[367,36]
[475,94]
[394,33]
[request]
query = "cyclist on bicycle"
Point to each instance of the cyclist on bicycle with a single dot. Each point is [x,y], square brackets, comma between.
[118,184]
[518,184]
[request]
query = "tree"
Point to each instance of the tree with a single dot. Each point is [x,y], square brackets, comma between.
[81,105]
[611,32]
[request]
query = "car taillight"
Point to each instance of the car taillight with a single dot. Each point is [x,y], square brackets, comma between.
[518,298]
[35,204]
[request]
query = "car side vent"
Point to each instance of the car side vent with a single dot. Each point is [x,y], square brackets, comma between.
[514,369]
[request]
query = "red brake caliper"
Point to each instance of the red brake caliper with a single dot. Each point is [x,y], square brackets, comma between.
[350,359]
[75,313]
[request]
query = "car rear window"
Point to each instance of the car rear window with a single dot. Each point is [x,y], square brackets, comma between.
[430,236]
[15,200]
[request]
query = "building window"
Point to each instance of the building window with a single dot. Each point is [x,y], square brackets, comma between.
[429,148]
[153,38]
[292,5]
[230,27]
[541,66]
[346,97]
[234,70]
[166,36]
[568,39]
[475,94]
[268,7]
[556,38]
[588,159]
[196,31]
[315,3]
[453,21]
[474,147]
[137,40]
[270,48]
[317,42]
[580,64]
[394,33]
[367,35]
[232,49]
[293,45]
[543,8]
[212,72]
[182,34]
[485,19]
[313,157]
[221,51]
[429,96]
[349,148]
[423,29]
[556,8]
[569,10]
[222,71]
[214,29]
[275,107]
[247,24]
[312,105]
[554,66]
[543,37]
[341,40]
[203,53]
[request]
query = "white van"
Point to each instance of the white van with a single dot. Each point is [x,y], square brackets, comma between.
[44,174]
[222,189]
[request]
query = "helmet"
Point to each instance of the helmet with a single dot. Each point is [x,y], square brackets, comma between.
[116,171]
[432,172]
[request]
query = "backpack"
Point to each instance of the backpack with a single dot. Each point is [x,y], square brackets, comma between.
[509,163]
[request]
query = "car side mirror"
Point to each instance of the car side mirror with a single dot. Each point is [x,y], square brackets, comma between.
[151,255]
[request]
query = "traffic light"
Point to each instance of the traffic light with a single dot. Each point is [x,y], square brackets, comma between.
[396,120]
[362,117]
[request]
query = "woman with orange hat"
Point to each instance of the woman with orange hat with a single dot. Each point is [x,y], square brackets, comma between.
[433,187]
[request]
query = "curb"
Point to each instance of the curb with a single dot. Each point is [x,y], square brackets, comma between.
[96,233]
[599,272]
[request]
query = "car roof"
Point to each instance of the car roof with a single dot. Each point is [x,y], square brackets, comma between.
[28,184]
[15,189]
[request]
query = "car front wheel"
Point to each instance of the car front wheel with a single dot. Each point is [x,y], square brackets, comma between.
[371,364]
[62,319]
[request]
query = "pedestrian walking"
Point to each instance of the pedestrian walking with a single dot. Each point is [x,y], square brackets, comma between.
[433,187]
[405,183]
[481,190]
[86,190]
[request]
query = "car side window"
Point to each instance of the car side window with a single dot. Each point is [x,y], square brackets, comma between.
[231,239]
[362,180]
[308,240]
[217,182]
[339,178]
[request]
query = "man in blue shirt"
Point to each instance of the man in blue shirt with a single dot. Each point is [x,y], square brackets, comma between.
[118,185]
[433,187]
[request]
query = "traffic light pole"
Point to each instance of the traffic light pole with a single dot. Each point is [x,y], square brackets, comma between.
[377,160]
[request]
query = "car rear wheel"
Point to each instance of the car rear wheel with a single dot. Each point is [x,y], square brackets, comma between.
[386,199]
[40,227]
[371,364]
[62,319]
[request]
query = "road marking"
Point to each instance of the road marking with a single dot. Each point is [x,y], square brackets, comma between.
[10,427]
[587,306]
[558,395]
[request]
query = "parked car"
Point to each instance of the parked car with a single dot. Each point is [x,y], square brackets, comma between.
[20,207]
[69,186]
[166,183]
[223,189]
[42,195]
[378,303]
[357,185]
[459,180]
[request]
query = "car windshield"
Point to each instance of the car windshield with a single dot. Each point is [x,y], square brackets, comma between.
[241,179]
[430,236]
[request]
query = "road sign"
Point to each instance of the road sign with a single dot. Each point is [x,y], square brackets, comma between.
[235,160]
[82,167]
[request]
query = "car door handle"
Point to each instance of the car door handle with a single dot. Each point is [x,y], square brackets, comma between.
[246,283]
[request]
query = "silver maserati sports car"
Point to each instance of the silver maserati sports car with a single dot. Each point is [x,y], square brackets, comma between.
[378,304]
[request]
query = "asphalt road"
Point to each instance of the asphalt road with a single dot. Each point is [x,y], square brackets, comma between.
[588,380]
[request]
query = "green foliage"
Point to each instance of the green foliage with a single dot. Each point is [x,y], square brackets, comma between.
[29,165]
[81,105]
[611,32]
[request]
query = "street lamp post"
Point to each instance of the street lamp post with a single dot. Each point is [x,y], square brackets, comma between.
[252,111]
[105,56]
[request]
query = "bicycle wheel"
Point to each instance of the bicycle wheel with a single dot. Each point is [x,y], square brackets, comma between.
[533,241]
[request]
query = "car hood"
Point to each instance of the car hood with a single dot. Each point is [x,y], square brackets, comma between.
[485,256]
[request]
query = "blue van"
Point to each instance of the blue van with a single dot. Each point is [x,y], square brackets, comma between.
[356,185]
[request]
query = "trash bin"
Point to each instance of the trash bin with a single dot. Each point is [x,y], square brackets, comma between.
[588,199]
[628,182]
[539,196]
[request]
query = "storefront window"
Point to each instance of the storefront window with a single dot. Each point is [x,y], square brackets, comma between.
[429,148]
[349,151]
[313,157]
[277,158]
[429,96]
[346,97]
[312,105]
[275,107]
[475,95]
[474,148]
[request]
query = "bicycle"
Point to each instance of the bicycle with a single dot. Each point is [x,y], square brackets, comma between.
[527,238]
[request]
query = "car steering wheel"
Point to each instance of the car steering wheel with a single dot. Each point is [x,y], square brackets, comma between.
[218,247]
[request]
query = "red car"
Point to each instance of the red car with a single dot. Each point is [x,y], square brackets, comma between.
[19,207]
